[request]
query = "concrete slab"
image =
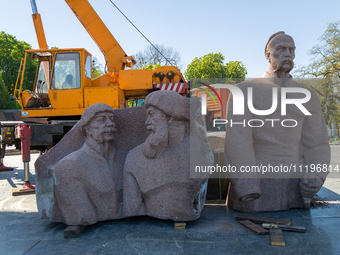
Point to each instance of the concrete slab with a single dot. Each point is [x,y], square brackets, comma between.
[13,248]
[216,232]
[68,246]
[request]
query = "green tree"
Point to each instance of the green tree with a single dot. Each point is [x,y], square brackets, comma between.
[11,53]
[5,102]
[329,103]
[151,66]
[96,68]
[329,97]
[210,68]
[325,66]
[4,95]
[236,69]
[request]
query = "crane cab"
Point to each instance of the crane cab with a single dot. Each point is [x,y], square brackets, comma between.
[63,85]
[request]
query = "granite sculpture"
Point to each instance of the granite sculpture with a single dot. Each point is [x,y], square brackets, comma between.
[275,144]
[87,181]
[80,180]
[156,173]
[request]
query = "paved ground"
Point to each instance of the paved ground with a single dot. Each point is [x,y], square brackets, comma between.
[216,232]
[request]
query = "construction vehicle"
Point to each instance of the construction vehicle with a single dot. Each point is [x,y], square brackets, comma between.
[63,84]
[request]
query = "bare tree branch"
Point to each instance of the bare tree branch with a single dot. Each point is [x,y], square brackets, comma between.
[151,56]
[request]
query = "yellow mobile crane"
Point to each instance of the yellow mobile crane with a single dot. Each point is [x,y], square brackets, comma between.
[63,83]
[63,86]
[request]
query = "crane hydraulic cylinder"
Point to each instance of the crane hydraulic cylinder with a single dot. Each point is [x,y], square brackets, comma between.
[24,133]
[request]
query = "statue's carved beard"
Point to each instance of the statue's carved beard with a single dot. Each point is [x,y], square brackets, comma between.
[157,141]
[282,61]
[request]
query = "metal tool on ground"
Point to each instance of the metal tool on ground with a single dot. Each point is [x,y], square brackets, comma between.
[261,220]
[275,227]
[285,228]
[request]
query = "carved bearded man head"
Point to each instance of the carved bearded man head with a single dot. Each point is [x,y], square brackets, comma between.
[97,124]
[280,53]
[168,121]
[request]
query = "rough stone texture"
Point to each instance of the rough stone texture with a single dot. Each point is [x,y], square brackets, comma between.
[74,171]
[156,173]
[305,144]
[80,180]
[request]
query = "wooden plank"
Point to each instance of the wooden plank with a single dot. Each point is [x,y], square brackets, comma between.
[73,231]
[254,227]
[276,237]
[286,228]
[261,220]
[18,192]
[180,225]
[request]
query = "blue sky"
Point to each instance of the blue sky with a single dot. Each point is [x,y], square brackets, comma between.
[237,29]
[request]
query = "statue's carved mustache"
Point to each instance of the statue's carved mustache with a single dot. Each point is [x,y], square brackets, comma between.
[282,61]
[108,130]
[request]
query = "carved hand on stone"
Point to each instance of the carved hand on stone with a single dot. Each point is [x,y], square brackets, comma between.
[310,185]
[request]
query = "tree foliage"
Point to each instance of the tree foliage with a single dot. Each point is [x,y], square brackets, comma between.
[208,66]
[96,68]
[325,66]
[329,97]
[151,56]
[236,69]
[11,52]
[326,56]
[4,95]
[211,66]
[5,102]
[329,103]
[150,66]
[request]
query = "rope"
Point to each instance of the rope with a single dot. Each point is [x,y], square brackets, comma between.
[140,32]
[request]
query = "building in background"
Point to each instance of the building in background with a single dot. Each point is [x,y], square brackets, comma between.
[214,110]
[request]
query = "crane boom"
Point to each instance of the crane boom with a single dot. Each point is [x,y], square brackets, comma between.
[64,85]
[39,30]
[101,35]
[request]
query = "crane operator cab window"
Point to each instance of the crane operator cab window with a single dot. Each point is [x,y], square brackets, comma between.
[41,85]
[66,74]
[88,67]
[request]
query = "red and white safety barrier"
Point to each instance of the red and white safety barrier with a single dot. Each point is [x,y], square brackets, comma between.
[179,87]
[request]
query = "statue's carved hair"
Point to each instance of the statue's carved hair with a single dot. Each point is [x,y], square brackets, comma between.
[90,112]
[271,38]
